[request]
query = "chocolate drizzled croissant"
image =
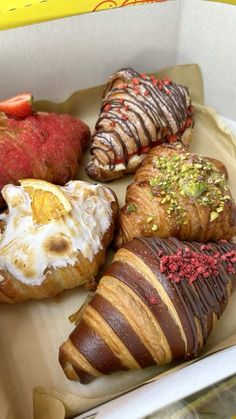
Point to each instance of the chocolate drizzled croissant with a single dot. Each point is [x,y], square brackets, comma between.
[180,194]
[157,302]
[137,113]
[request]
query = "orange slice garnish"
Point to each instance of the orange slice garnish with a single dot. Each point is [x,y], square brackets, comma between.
[48,201]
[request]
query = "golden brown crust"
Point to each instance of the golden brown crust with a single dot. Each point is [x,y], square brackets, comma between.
[150,210]
[13,291]
[220,166]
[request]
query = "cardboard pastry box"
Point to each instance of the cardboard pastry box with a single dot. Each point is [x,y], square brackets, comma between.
[65,62]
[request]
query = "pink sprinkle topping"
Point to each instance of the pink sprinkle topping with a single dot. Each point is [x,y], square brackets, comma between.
[152,77]
[166,81]
[124,117]
[190,265]
[108,107]
[153,300]
[206,247]
[137,91]
[135,81]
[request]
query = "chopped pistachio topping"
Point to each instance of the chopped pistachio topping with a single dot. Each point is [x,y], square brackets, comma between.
[154,227]
[214,215]
[188,176]
[131,208]
[193,189]
[149,219]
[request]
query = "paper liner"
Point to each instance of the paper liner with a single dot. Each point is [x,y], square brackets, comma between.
[73,405]
[31,332]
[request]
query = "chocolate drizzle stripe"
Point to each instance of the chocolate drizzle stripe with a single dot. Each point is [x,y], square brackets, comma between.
[139,105]
[123,330]
[164,104]
[191,298]
[144,290]
[212,290]
[165,108]
[112,148]
[94,349]
[147,250]
[204,296]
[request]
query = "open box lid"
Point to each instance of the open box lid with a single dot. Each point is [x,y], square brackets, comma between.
[22,12]
[16,13]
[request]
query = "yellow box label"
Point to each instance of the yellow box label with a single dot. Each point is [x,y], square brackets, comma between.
[233,2]
[24,12]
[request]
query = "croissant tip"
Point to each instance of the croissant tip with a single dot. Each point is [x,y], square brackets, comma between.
[93,171]
[119,240]
[65,364]
[102,175]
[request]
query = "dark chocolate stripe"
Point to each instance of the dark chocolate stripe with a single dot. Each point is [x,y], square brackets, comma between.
[123,330]
[84,376]
[94,349]
[149,295]
[200,299]
[209,323]
[143,248]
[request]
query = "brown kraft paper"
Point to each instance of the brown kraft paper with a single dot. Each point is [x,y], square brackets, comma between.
[31,332]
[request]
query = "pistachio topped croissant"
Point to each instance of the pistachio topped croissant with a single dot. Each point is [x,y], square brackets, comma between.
[137,113]
[52,238]
[180,194]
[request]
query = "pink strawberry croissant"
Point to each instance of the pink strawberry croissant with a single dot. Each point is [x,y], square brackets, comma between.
[46,146]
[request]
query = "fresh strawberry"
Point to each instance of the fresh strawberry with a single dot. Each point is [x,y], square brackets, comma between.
[19,106]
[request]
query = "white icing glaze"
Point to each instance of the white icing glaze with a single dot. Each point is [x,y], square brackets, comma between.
[28,250]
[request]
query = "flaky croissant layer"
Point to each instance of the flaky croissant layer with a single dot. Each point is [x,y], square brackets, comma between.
[157,302]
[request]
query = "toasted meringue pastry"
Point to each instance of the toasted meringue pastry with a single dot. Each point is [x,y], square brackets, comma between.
[41,259]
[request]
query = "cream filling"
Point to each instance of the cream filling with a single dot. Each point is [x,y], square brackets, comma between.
[28,251]
[133,162]
[135,159]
